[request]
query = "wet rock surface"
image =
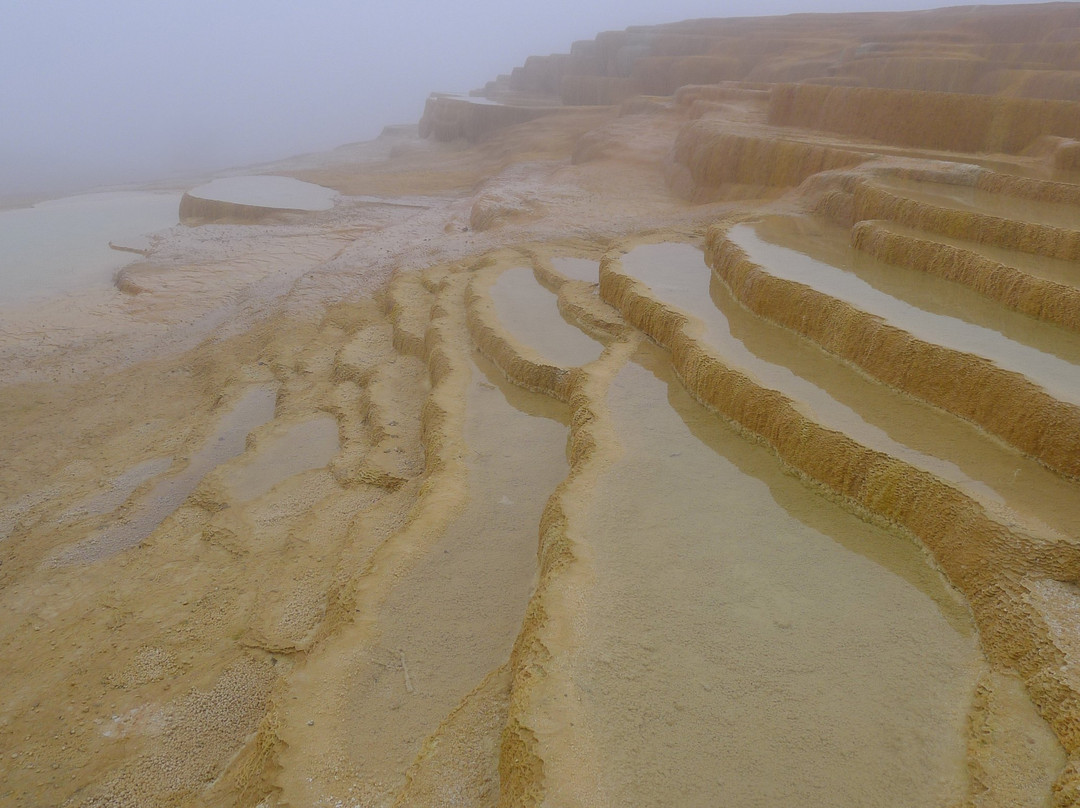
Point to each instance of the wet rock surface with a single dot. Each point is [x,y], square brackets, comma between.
[615,444]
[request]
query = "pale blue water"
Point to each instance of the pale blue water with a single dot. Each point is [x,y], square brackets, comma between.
[63,245]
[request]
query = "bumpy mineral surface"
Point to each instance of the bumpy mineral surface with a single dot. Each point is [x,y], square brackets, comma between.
[691,419]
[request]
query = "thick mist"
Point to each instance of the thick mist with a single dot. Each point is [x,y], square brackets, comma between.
[119,91]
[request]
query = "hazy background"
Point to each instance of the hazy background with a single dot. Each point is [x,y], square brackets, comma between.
[109,91]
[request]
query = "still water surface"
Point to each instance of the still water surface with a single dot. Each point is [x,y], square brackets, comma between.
[63,245]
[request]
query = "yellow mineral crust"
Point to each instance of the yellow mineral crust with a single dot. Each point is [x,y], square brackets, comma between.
[1002,402]
[1039,297]
[931,120]
[872,202]
[954,528]
[428,498]
[715,158]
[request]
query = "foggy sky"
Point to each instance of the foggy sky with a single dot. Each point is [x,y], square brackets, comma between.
[109,91]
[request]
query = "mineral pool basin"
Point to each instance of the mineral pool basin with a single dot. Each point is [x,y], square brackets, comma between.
[747,642]
[62,245]
[467,99]
[830,244]
[1059,377]
[531,314]
[283,193]
[962,197]
[477,577]
[839,397]
[677,275]
[1051,269]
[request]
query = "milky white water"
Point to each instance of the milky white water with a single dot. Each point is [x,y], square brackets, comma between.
[268,192]
[63,245]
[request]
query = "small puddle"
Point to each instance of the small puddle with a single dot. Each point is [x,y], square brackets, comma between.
[253,409]
[305,446]
[747,642]
[1057,376]
[531,313]
[577,269]
[120,488]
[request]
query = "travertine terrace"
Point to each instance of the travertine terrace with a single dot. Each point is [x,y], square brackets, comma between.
[689,419]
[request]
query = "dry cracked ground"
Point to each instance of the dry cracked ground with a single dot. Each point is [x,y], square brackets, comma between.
[698,426]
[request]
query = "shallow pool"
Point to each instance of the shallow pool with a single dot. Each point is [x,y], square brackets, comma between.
[268,192]
[63,245]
